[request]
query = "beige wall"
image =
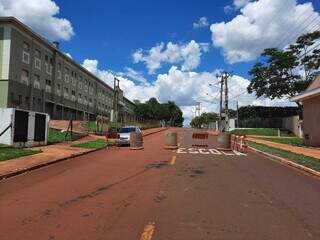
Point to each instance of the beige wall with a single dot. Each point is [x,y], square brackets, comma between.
[292,124]
[311,120]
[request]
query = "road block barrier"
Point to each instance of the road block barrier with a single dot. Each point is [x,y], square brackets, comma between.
[224,141]
[201,139]
[136,141]
[239,143]
[171,140]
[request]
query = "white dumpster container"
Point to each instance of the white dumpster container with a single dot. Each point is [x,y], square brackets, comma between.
[27,129]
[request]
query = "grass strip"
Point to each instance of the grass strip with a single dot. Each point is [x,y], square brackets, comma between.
[289,141]
[306,161]
[56,136]
[95,144]
[257,131]
[7,152]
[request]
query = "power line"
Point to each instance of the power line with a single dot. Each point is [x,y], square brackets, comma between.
[295,34]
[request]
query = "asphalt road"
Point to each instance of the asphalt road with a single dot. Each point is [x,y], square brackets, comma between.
[161,195]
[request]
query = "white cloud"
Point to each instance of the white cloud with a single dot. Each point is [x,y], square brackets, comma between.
[262,24]
[188,55]
[135,75]
[236,5]
[202,22]
[40,15]
[241,3]
[185,88]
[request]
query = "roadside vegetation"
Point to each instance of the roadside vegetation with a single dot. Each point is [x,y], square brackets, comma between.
[306,161]
[95,144]
[56,136]
[7,152]
[168,112]
[256,131]
[111,126]
[294,141]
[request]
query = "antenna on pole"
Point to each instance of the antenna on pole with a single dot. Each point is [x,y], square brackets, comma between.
[224,113]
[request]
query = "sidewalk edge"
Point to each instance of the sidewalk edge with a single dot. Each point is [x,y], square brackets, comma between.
[24,170]
[287,162]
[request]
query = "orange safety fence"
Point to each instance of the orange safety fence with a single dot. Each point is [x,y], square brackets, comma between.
[201,139]
[239,143]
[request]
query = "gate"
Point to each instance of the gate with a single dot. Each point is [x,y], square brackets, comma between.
[40,127]
[21,122]
[200,139]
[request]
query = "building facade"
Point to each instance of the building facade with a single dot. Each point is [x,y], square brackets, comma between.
[310,99]
[36,75]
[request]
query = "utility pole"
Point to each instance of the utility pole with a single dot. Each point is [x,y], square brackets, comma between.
[224,116]
[220,113]
[226,102]
[198,109]
[237,114]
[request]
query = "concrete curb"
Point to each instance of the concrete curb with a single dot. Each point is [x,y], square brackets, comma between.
[161,130]
[287,162]
[24,170]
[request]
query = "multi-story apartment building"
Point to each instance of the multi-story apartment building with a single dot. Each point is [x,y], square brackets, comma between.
[36,75]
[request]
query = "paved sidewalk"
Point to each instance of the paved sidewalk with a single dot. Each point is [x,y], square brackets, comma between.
[311,152]
[52,153]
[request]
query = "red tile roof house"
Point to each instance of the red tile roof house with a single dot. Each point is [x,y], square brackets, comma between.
[310,100]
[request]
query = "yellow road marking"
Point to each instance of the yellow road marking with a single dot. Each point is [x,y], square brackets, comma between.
[148,231]
[173,160]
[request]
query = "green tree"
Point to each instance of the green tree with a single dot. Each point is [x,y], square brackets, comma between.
[278,74]
[152,109]
[204,119]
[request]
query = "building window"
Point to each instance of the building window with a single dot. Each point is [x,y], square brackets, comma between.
[25,77]
[73,95]
[37,53]
[58,89]
[27,99]
[48,64]
[26,46]
[25,57]
[80,98]
[36,82]
[37,63]
[39,101]
[86,86]
[74,82]
[48,86]
[59,71]
[66,93]
[66,78]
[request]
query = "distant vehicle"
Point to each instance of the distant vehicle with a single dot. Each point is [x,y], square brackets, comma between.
[124,134]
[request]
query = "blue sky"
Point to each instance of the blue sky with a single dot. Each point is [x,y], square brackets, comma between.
[171,50]
[111,32]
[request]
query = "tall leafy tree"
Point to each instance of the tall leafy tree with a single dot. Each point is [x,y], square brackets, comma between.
[152,109]
[204,119]
[286,72]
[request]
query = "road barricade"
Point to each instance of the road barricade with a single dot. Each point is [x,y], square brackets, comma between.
[200,139]
[239,143]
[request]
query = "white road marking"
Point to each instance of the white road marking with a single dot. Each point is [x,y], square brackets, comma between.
[211,151]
